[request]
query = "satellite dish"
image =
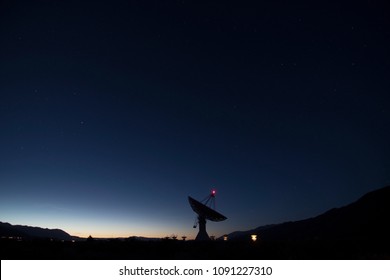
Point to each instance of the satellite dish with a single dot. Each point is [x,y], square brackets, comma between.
[205,213]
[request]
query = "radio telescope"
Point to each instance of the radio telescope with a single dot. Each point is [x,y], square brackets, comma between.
[205,212]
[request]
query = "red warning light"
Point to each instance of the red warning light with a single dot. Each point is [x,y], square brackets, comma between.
[213,192]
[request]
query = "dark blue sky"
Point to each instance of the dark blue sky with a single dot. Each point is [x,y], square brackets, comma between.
[112,112]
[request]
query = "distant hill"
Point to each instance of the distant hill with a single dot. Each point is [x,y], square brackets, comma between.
[366,219]
[28,232]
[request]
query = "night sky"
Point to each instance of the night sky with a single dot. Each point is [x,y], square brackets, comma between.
[113,112]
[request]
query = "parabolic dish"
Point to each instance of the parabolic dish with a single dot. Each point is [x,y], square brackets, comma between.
[205,211]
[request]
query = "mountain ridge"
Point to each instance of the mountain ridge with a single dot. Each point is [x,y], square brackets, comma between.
[32,232]
[363,219]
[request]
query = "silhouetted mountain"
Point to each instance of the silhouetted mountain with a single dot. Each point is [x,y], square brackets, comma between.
[28,232]
[366,219]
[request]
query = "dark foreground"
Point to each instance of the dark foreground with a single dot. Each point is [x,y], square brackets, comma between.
[175,249]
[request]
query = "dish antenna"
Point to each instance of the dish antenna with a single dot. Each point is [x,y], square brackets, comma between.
[205,212]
